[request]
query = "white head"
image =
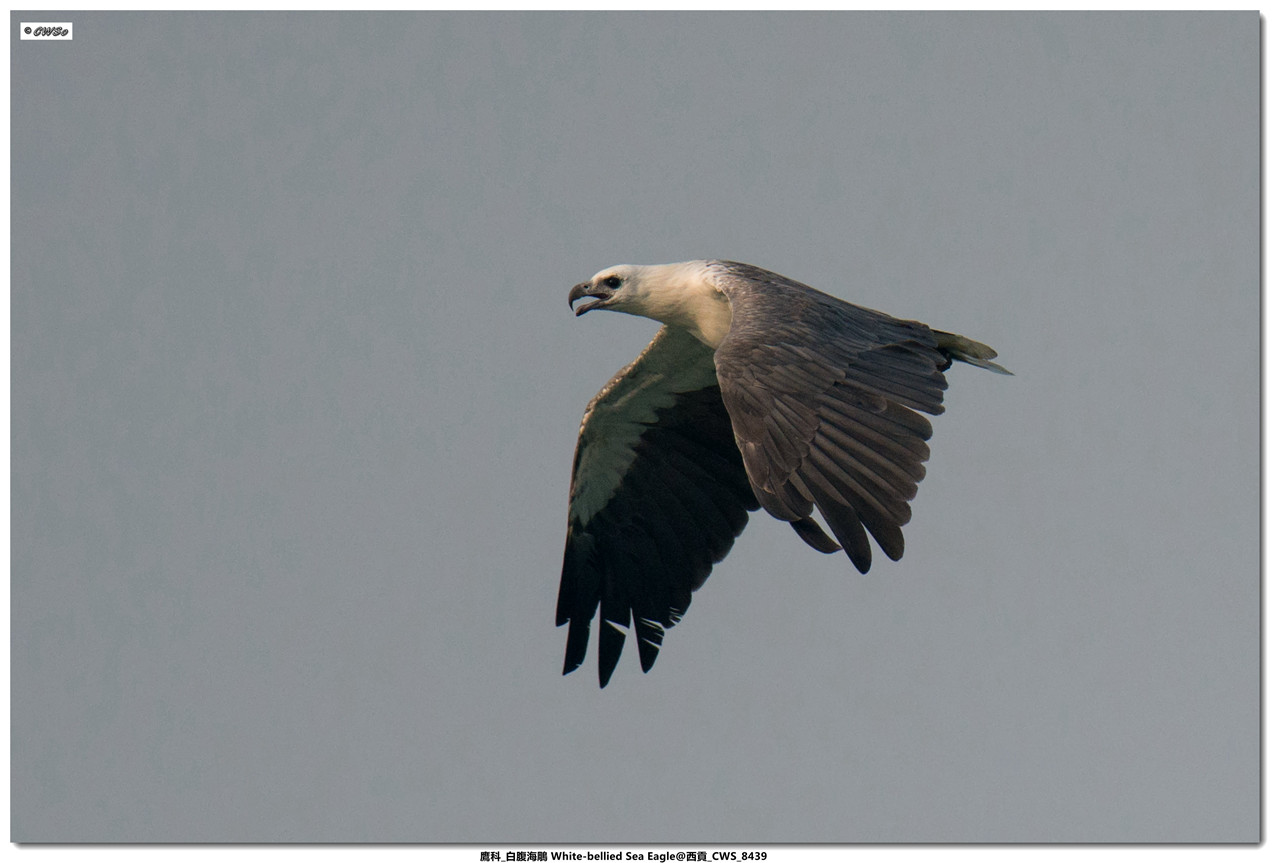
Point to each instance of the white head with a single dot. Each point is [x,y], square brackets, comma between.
[616,288]
[683,295]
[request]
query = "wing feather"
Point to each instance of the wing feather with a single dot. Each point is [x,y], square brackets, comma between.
[826,400]
[843,521]
[659,493]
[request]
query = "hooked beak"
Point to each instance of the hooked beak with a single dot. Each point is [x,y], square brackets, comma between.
[601,295]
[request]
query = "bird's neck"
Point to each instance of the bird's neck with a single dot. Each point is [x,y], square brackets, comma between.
[683,295]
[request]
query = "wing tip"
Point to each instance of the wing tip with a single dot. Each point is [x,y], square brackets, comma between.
[813,534]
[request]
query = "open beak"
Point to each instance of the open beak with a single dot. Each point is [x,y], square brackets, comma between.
[599,294]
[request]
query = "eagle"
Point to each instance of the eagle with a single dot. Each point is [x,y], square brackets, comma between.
[757,391]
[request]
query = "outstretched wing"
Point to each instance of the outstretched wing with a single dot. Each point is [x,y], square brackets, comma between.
[824,399]
[658,496]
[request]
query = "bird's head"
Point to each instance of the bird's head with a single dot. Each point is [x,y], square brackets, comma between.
[619,288]
[660,291]
[683,295]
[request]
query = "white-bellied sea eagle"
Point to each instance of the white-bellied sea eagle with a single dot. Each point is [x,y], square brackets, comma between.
[758,391]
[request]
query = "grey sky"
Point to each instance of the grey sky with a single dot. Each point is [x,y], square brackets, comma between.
[295,391]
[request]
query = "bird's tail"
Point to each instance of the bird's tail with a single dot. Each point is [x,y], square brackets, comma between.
[968,351]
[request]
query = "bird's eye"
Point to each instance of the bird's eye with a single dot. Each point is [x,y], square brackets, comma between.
[612,282]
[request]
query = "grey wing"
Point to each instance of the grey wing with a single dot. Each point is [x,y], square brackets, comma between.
[659,494]
[825,399]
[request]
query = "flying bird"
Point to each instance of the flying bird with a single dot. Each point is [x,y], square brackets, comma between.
[758,391]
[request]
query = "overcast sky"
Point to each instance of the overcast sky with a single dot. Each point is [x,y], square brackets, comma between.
[295,390]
